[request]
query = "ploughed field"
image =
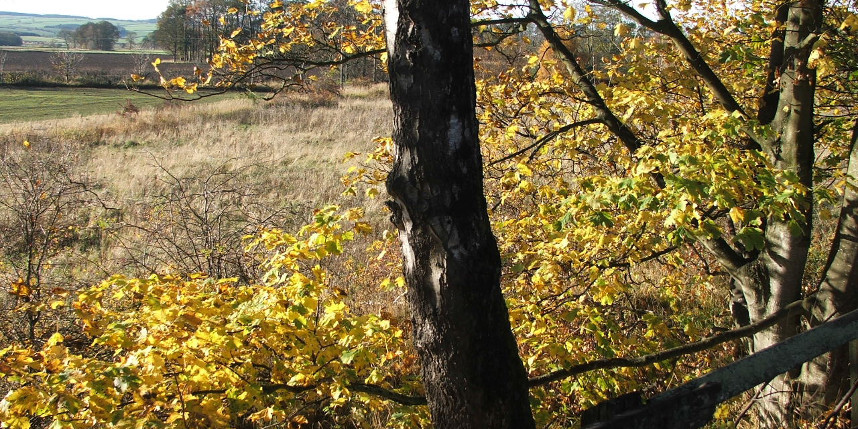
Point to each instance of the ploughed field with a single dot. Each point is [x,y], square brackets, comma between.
[103,63]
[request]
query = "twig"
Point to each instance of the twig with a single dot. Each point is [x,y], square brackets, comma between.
[547,138]
[748,405]
[634,362]
[834,412]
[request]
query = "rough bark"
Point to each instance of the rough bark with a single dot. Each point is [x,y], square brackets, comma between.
[471,369]
[825,379]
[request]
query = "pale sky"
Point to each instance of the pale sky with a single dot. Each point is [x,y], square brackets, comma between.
[118,9]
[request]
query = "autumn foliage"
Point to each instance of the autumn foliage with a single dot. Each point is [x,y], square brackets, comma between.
[606,231]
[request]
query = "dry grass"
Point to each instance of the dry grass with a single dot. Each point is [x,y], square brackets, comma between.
[289,147]
[283,159]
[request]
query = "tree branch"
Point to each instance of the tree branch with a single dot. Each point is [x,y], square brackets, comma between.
[728,257]
[387,394]
[567,57]
[545,139]
[667,27]
[707,343]
[370,389]
[696,400]
[500,21]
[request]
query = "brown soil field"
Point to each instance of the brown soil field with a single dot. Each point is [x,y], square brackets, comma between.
[107,63]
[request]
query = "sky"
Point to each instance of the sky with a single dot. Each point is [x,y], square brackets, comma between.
[118,9]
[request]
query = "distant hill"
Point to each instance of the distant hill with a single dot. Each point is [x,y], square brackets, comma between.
[41,28]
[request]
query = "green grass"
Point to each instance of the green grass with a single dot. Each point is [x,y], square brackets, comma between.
[18,105]
[49,26]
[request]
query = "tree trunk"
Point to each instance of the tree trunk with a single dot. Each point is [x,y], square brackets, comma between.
[774,279]
[827,378]
[472,372]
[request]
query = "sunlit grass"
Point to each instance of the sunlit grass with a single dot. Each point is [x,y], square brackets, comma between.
[36,104]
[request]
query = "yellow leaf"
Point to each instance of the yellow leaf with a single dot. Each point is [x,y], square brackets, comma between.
[737,214]
[850,23]
[55,339]
[363,228]
[363,6]
[298,379]
[20,288]
[157,62]
[570,13]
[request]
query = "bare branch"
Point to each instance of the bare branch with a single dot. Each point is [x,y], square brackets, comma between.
[370,389]
[388,394]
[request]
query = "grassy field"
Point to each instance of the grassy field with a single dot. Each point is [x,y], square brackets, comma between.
[300,139]
[23,105]
[282,159]
[50,25]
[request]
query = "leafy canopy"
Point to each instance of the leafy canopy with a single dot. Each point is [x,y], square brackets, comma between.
[601,236]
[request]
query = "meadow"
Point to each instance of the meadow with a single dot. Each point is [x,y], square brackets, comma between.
[302,136]
[44,28]
[38,104]
[243,162]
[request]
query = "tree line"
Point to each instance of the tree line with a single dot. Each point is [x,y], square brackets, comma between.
[10,39]
[100,36]
[191,30]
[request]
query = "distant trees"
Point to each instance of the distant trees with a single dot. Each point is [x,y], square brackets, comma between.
[171,33]
[68,37]
[10,39]
[2,64]
[191,29]
[101,36]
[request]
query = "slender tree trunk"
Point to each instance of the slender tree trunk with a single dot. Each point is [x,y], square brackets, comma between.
[472,372]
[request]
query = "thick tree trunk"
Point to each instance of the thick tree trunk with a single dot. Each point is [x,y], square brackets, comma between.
[774,279]
[827,378]
[473,375]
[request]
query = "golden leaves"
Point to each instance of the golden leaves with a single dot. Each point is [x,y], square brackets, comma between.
[213,340]
[570,13]
[20,288]
[362,6]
